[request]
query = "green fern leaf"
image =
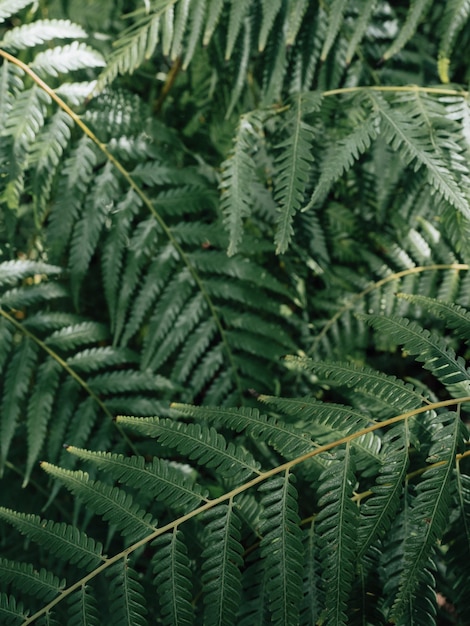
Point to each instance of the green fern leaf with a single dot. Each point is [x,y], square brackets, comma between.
[25,578]
[71,337]
[35,294]
[65,59]
[214,11]
[158,479]
[417,11]
[270,9]
[198,11]
[200,443]
[295,13]
[429,514]
[380,509]
[335,20]
[238,11]
[428,347]
[172,569]
[13,271]
[181,19]
[342,156]
[281,548]
[40,411]
[23,123]
[389,391]
[410,135]
[312,598]
[113,504]
[82,608]
[46,155]
[243,62]
[237,171]
[17,381]
[458,538]
[292,169]
[222,560]
[12,613]
[76,176]
[456,15]
[87,230]
[38,32]
[63,540]
[114,249]
[10,7]
[360,27]
[126,595]
[94,359]
[287,440]
[455,317]
[336,525]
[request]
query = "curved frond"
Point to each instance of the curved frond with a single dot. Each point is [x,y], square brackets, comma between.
[429,513]
[221,575]
[64,540]
[293,165]
[111,503]
[281,548]
[172,569]
[38,32]
[200,443]
[336,526]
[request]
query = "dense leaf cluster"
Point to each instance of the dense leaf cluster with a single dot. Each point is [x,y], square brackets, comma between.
[234,312]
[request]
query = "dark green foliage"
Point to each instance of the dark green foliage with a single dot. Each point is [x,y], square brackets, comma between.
[234,312]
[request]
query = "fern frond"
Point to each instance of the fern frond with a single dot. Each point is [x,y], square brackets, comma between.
[454,316]
[428,347]
[292,168]
[360,27]
[416,12]
[17,381]
[113,504]
[336,526]
[429,514]
[221,575]
[87,230]
[158,479]
[172,569]
[390,391]
[270,9]
[410,136]
[63,540]
[287,440]
[281,548]
[65,59]
[40,411]
[77,174]
[126,595]
[24,577]
[199,443]
[342,156]
[457,13]
[458,538]
[238,11]
[335,19]
[39,32]
[11,611]
[236,171]
[295,13]
[379,511]
[46,155]
[10,7]
[83,608]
